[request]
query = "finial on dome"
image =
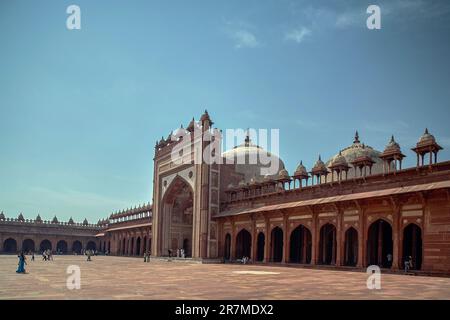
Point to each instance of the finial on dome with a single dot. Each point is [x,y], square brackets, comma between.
[426,131]
[247,137]
[356,137]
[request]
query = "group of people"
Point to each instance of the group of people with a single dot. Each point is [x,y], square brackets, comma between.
[181,253]
[47,255]
[147,256]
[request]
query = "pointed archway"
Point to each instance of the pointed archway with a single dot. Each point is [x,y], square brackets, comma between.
[380,244]
[45,245]
[300,245]
[260,246]
[412,245]
[61,247]
[176,227]
[351,247]
[243,244]
[327,244]
[276,240]
[28,245]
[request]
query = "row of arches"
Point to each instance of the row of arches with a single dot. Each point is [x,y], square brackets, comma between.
[379,245]
[28,245]
[134,246]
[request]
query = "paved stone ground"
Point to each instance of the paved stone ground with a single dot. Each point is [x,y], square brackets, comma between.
[131,278]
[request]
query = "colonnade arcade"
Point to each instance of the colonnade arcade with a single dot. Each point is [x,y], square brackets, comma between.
[14,244]
[355,237]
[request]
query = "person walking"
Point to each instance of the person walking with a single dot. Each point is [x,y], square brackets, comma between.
[22,263]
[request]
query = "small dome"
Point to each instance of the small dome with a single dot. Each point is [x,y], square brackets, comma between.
[38,218]
[2,216]
[205,117]
[301,170]
[319,164]
[20,217]
[71,221]
[55,219]
[283,174]
[230,186]
[242,183]
[426,138]
[339,160]
[192,125]
[85,222]
[392,146]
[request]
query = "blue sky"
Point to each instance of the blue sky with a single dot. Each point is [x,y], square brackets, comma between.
[80,110]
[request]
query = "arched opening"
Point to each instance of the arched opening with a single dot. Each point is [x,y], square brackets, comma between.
[243,244]
[412,245]
[91,246]
[261,242]
[301,244]
[124,247]
[227,248]
[61,247]
[77,247]
[138,246]
[109,247]
[132,247]
[351,247]
[176,226]
[10,246]
[186,246]
[379,244]
[277,244]
[28,245]
[327,244]
[45,245]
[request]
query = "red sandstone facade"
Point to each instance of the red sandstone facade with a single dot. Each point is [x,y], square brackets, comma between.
[360,208]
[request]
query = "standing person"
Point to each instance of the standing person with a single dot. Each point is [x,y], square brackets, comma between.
[389,259]
[22,263]
[145,256]
[32,256]
[148,256]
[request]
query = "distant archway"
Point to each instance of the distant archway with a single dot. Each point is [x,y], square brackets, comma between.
[145,245]
[138,246]
[301,244]
[77,247]
[45,245]
[351,247]
[380,244]
[260,246]
[28,245]
[91,246]
[61,247]
[277,244]
[243,244]
[227,247]
[327,244]
[412,245]
[176,218]
[10,246]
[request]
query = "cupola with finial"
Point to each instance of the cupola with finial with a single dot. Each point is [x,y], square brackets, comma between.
[319,170]
[392,156]
[427,144]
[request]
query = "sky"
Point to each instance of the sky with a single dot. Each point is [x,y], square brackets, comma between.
[80,110]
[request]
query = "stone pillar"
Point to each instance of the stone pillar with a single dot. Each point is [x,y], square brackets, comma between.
[361,240]
[339,237]
[314,240]
[233,242]
[254,241]
[396,227]
[267,242]
[285,258]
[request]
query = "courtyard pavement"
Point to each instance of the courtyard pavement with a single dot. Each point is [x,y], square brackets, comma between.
[131,278]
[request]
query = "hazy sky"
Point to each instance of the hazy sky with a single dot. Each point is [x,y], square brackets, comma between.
[80,110]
